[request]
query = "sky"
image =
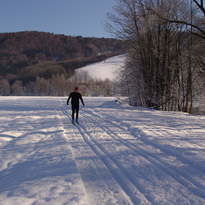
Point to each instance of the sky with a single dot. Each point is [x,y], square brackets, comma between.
[69,17]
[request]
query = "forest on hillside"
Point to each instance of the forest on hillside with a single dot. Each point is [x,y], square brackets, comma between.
[29,60]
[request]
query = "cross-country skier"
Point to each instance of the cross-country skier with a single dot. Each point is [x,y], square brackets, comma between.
[75,96]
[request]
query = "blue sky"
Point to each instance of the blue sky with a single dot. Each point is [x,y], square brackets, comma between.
[70,17]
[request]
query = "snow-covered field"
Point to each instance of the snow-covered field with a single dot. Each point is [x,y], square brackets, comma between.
[107,69]
[117,155]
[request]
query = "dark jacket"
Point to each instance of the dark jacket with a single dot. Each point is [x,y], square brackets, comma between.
[75,97]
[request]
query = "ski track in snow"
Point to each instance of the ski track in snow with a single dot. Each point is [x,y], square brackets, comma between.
[117,155]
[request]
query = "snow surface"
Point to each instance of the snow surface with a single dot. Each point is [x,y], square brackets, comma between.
[108,69]
[117,155]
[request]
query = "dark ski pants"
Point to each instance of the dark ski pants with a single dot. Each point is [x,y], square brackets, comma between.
[75,109]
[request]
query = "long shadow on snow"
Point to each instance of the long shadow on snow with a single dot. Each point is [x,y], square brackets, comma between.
[28,126]
[35,169]
[127,128]
[196,189]
[139,174]
[43,160]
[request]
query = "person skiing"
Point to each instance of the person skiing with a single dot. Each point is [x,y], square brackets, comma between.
[75,96]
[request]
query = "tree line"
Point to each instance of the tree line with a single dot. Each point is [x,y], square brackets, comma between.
[58,85]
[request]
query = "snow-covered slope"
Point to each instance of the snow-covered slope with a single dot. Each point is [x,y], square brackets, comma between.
[108,69]
[117,155]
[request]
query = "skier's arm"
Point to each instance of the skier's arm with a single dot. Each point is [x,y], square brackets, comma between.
[68,99]
[82,100]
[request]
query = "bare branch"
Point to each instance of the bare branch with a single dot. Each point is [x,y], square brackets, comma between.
[200,6]
[201,34]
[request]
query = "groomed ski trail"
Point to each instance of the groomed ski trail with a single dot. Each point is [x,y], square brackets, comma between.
[123,150]
[36,164]
[117,155]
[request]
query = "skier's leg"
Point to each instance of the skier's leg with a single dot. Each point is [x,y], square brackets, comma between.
[73,112]
[77,111]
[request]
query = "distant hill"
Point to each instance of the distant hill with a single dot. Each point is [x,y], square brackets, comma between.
[27,55]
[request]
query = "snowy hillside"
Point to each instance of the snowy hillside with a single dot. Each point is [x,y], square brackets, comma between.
[108,69]
[117,155]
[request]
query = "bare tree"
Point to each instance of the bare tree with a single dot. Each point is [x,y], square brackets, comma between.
[197,27]
[4,87]
[160,66]
[17,88]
